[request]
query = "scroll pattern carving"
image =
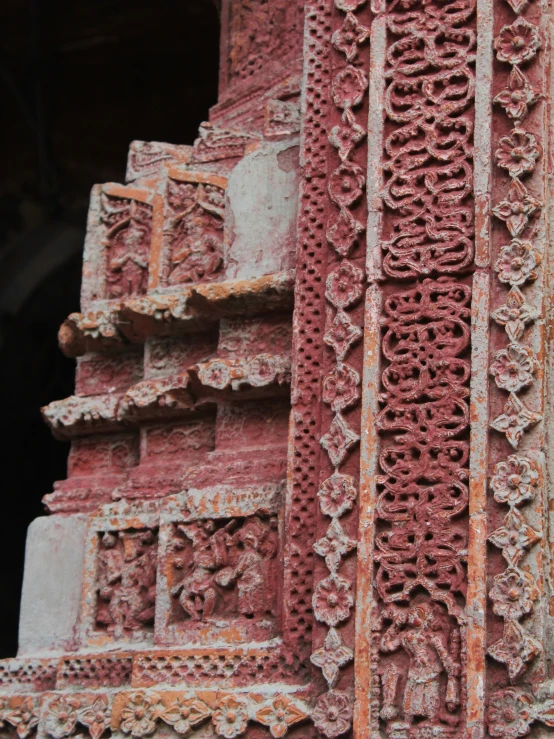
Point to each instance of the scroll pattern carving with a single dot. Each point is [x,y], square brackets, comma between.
[333,598]
[517,480]
[421,520]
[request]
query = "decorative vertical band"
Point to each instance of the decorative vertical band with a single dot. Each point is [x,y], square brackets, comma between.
[517,481]
[335,569]
[416,503]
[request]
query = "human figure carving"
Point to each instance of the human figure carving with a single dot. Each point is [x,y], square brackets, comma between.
[198,590]
[128,242]
[420,634]
[196,247]
[234,555]
[127,582]
[249,572]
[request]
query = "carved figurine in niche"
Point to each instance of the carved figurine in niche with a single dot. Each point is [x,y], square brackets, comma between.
[433,669]
[228,568]
[194,231]
[127,240]
[126,582]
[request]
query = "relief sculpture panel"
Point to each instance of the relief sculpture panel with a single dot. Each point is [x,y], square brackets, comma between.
[192,248]
[128,231]
[222,577]
[126,583]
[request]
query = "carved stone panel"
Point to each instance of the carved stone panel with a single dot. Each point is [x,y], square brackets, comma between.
[192,243]
[126,582]
[117,247]
[222,578]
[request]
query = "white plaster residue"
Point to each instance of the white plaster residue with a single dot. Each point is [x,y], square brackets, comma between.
[52,583]
[262,196]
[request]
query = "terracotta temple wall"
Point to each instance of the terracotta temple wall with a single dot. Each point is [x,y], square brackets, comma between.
[309,486]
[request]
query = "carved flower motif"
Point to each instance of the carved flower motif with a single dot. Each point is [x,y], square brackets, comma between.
[332,715]
[349,5]
[337,495]
[349,87]
[340,387]
[216,374]
[345,138]
[513,593]
[515,314]
[140,714]
[515,420]
[262,370]
[24,717]
[333,655]
[351,35]
[517,43]
[338,441]
[230,718]
[344,285]
[185,714]
[513,367]
[515,480]
[96,717]
[518,207]
[279,715]
[342,334]
[515,649]
[516,262]
[517,96]
[346,184]
[332,600]
[514,536]
[508,714]
[334,545]
[518,152]
[344,233]
[61,717]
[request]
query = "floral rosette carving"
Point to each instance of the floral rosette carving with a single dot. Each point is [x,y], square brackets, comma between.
[511,712]
[517,262]
[333,597]
[516,480]
[24,718]
[515,483]
[187,712]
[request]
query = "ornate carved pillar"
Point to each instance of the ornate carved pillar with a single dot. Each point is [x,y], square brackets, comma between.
[308,490]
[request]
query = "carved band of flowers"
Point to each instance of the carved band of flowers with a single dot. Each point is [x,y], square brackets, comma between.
[514,483]
[143,710]
[514,367]
[333,599]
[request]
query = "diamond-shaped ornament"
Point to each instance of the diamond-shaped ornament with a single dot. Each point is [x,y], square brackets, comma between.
[342,334]
[516,649]
[514,537]
[515,420]
[339,440]
[518,6]
[515,314]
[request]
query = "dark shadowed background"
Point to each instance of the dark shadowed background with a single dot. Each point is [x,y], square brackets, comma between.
[79,80]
